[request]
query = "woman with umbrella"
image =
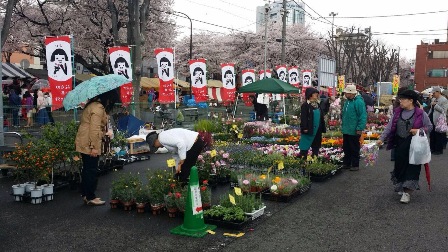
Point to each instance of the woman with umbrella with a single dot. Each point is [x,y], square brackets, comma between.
[91,130]
[408,119]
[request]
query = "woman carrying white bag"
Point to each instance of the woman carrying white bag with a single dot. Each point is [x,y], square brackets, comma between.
[407,121]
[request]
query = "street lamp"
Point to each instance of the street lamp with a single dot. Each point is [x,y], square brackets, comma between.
[191,39]
[266,9]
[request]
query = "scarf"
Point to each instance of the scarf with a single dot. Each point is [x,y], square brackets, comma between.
[314,104]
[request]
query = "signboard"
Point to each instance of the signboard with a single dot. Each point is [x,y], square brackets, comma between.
[326,72]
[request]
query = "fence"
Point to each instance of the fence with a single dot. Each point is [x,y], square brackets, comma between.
[190,114]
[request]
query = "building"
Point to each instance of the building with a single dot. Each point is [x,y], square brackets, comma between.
[431,65]
[296,13]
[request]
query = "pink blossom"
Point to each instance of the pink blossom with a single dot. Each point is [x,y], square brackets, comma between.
[226,155]
[245,182]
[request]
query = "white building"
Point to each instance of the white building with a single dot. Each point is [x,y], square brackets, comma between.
[296,13]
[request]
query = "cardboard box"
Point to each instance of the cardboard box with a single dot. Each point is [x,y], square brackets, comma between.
[138,146]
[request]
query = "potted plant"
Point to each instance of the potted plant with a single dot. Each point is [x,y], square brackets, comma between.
[125,188]
[181,201]
[170,203]
[206,195]
[141,198]
[159,184]
[232,217]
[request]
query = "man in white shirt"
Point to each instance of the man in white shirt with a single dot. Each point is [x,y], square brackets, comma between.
[186,145]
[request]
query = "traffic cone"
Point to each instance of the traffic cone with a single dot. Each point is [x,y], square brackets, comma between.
[194,216]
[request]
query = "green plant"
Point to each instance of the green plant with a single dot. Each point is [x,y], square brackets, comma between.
[247,202]
[204,125]
[232,213]
[206,192]
[142,195]
[319,167]
[159,184]
[125,187]
[119,139]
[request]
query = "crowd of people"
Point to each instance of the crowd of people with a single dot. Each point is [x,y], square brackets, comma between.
[410,113]
[31,106]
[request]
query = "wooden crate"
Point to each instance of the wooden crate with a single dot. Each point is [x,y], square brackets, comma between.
[137,146]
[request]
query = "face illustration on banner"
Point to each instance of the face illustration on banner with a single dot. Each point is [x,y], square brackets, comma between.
[59,59]
[282,76]
[121,67]
[293,77]
[306,80]
[165,65]
[248,80]
[198,75]
[228,76]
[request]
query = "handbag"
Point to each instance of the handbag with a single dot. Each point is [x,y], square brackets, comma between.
[419,151]
[441,126]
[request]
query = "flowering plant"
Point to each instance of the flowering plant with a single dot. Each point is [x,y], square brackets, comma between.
[284,185]
[159,184]
[206,192]
[125,187]
[370,153]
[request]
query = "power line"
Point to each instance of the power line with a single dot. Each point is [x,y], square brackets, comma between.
[397,15]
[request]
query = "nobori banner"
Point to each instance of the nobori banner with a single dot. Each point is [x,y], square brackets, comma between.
[198,79]
[165,63]
[120,59]
[60,67]
[248,76]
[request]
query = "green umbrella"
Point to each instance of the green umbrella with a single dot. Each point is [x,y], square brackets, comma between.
[270,85]
[91,88]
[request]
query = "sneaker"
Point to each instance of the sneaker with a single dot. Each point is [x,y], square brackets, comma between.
[405,198]
[355,168]
[400,193]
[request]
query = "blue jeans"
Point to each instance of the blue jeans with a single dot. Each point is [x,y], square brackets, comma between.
[89,176]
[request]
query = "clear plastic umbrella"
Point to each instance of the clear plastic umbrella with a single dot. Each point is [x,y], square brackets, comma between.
[40,84]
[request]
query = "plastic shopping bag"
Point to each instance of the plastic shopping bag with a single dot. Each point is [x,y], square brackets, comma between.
[419,152]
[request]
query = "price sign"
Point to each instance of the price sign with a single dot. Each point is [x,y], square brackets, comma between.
[232,199]
[280,165]
[171,162]
[237,191]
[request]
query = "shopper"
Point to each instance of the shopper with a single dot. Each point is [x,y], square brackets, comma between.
[439,107]
[408,119]
[312,124]
[186,145]
[354,119]
[91,130]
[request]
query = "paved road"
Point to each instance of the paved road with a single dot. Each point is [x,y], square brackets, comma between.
[354,211]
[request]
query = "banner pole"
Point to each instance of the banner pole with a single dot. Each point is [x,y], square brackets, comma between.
[75,110]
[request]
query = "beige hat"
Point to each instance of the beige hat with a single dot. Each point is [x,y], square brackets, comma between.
[436,89]
[350,89]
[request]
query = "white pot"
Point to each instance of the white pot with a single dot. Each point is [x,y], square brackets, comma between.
[18,190]
[36,196]
[29,186]
[48,192]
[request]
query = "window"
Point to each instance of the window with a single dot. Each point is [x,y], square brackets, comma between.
[440,54]
[438,73]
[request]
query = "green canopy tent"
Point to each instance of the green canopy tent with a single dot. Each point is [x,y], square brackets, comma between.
[273,86]
[270,85]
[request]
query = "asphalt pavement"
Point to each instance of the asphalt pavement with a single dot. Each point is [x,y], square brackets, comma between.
[353,211]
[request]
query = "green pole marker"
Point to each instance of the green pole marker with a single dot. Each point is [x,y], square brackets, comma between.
[194,216]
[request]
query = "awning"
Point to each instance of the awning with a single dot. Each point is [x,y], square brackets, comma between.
[148,83]
[84,77]
[10,70]
[214,83]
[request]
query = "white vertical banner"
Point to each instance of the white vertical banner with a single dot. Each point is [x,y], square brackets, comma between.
[228,82]
[293,74]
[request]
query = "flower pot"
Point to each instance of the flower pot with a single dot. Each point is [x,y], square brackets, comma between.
[140,207]
[156,208]
[257,213]
[114,203]
[18,190]
[48,192]
[172,211]
[206,205]
[29,186]
[127,205]
[36,196]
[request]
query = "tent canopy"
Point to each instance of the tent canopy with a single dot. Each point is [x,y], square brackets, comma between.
[269,85]
[12,71]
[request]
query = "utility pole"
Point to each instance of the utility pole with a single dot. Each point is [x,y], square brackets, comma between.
[332,14]
[284,13]
[266,9]
[398,62]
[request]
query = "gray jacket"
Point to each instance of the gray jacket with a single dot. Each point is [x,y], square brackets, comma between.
[440,108]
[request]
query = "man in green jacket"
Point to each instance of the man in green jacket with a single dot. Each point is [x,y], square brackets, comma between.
[354,119]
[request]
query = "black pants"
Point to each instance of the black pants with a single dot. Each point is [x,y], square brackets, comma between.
[351,147]
[437,141]
[191,159]
[50,115]
[89,176]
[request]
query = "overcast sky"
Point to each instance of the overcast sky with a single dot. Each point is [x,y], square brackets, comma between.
[401,17]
